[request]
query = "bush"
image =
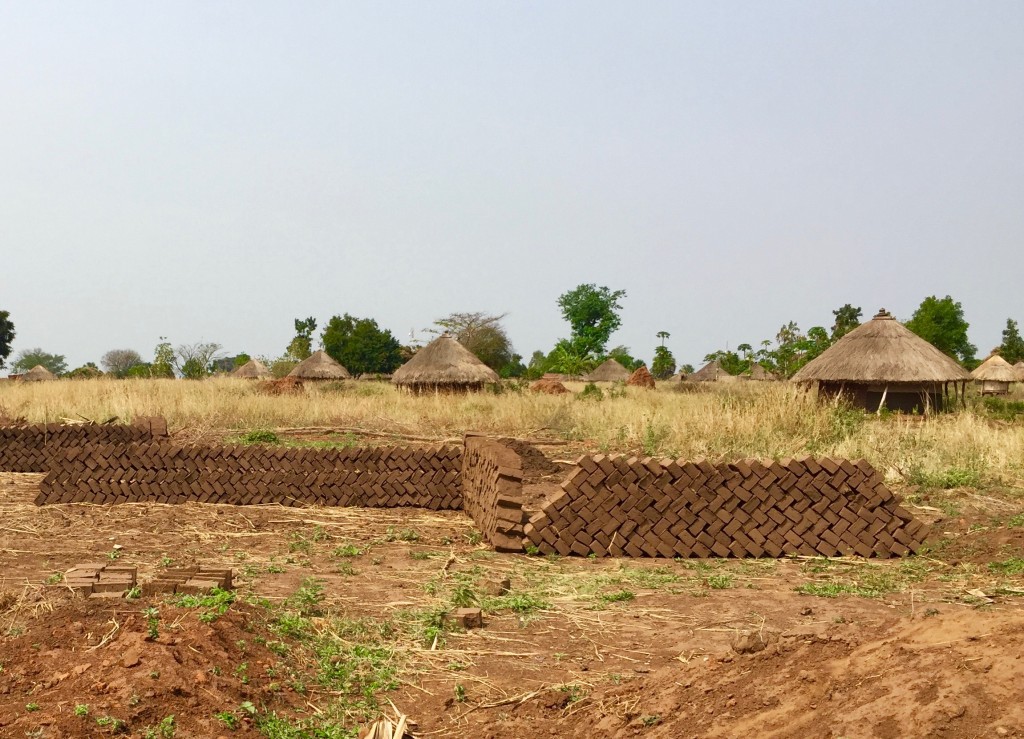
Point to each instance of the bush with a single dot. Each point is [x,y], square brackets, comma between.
[591,392]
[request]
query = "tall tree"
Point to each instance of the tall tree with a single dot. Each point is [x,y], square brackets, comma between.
[302,345]
[118,361]
[360,345]
[664,364]
[847,319]
[593,315]
[29,358]
[1012,348]
[195,361]
[6,336]
[483,335]
[163,360]
[941,322]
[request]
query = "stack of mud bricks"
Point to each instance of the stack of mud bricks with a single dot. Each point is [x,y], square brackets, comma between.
[100,580]
[492,491]
[617,505]
[33,448]
[196,580]
[164,472]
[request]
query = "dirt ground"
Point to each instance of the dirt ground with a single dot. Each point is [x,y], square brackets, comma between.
[923,647]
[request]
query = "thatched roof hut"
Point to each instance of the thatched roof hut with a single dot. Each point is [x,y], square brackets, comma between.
[254,369]
[759,374]
[444,365]
[994,375]
[710,372]
[39,373]
[1019,369]
[610,370]
[883,363]
[319,366]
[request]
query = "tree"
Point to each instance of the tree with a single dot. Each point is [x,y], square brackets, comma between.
[537,366]
[163,360]
[730,361]
[302,345]
[1012,348]
[483,335]
[87,371]
[621,355]
[941,322]
[6,336]
[195,361]
[360,345]
[118,361]
[565,361]
[593,315]
[664,365]
[686,369]
[847,319]
[29,358]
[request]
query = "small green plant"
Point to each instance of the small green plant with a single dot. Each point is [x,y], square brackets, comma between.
[347,550]
[114,725]
[165,561]
[308,597]
[260,436]
[247,707]
[346,568]
[591,391]
[474,537]
[825,590]
[134,594]
[409,535]
[114,553]
[152,616]
[718,582]
[619,596]
[1011,566]
[82,709]
[31,707]
[460,693]
[652,720]
[1016,522]
[227,718]
[463,596]
[54,578]
[242,673]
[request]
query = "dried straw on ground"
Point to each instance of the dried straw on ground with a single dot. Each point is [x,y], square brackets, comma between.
[882,362]
[254,369]
[39,373]
[609,371]
[444,365]
[994,375]
[319,366]
[710,372]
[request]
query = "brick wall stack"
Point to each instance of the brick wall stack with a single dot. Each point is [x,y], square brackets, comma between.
[617,505]
[492,491]
[32,448]
[242,475]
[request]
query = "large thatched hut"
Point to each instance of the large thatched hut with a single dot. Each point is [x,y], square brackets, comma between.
[883,363]
[710,372]
[39,373]
[319,366]
[254,369]
[444,365]
[994,375]
[610,370]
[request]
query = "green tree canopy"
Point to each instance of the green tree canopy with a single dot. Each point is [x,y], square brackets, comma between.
[6,336]
[847,319]
[360,345]
[593,315]
[29,358]
[483,335]
[664,365]
[1012,348]
[196,361]
[302,345]
[163,360]
[118,361]
[941,322]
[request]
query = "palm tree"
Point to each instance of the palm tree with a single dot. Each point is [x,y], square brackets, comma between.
[663,335]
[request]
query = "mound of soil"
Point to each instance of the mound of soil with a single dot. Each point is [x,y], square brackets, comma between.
[549,387]
[641,377]
[282,386]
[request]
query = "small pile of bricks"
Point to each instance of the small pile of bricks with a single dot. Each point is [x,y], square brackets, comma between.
[618,505]
[492,491]
[164,472]
[196,580]
[33,448]
[101,580]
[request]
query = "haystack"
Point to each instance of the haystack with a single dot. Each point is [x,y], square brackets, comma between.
[547,386]
[319,366]
[39,373]
[608,371]
[641,377]
[994,375]
[710,372]
[883,363]
[254,369]
[444,365]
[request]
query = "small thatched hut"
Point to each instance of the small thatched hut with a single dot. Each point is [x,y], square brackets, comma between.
[319,366]
[882,363]
[610,370]
[994,375]
[444,365]
[1019,369]
[710,372]
[254,369]
[39,373]
[759,374]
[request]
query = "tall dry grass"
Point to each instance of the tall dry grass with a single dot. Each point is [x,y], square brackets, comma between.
[748,420]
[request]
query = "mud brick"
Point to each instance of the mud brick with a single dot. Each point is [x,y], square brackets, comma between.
[858,526]
[587,463]
[197,586]
[720,548]
[117,585]
[467,618]
[157,586]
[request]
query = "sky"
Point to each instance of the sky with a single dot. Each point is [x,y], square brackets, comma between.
[210,171]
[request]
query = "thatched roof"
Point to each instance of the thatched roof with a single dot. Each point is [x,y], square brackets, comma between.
[319,366]
[1019,369]
[609,371]
[38,374]
[444,362]
[882,350]
[757,372]
[995,369]
[710,372]
[254,369]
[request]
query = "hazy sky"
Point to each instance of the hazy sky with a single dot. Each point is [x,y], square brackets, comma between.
[212,170]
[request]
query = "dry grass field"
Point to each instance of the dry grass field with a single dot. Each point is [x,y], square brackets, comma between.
[337,616]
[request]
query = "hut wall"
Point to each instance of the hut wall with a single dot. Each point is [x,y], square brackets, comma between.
[901,398]
[992,387]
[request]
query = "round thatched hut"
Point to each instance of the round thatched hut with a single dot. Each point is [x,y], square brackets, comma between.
[319,366]
[444,365]
[1019,369]
[39,373]
[882,363]
[994,375]
[610,370]
[254,369]
[759,374]
[711,372]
